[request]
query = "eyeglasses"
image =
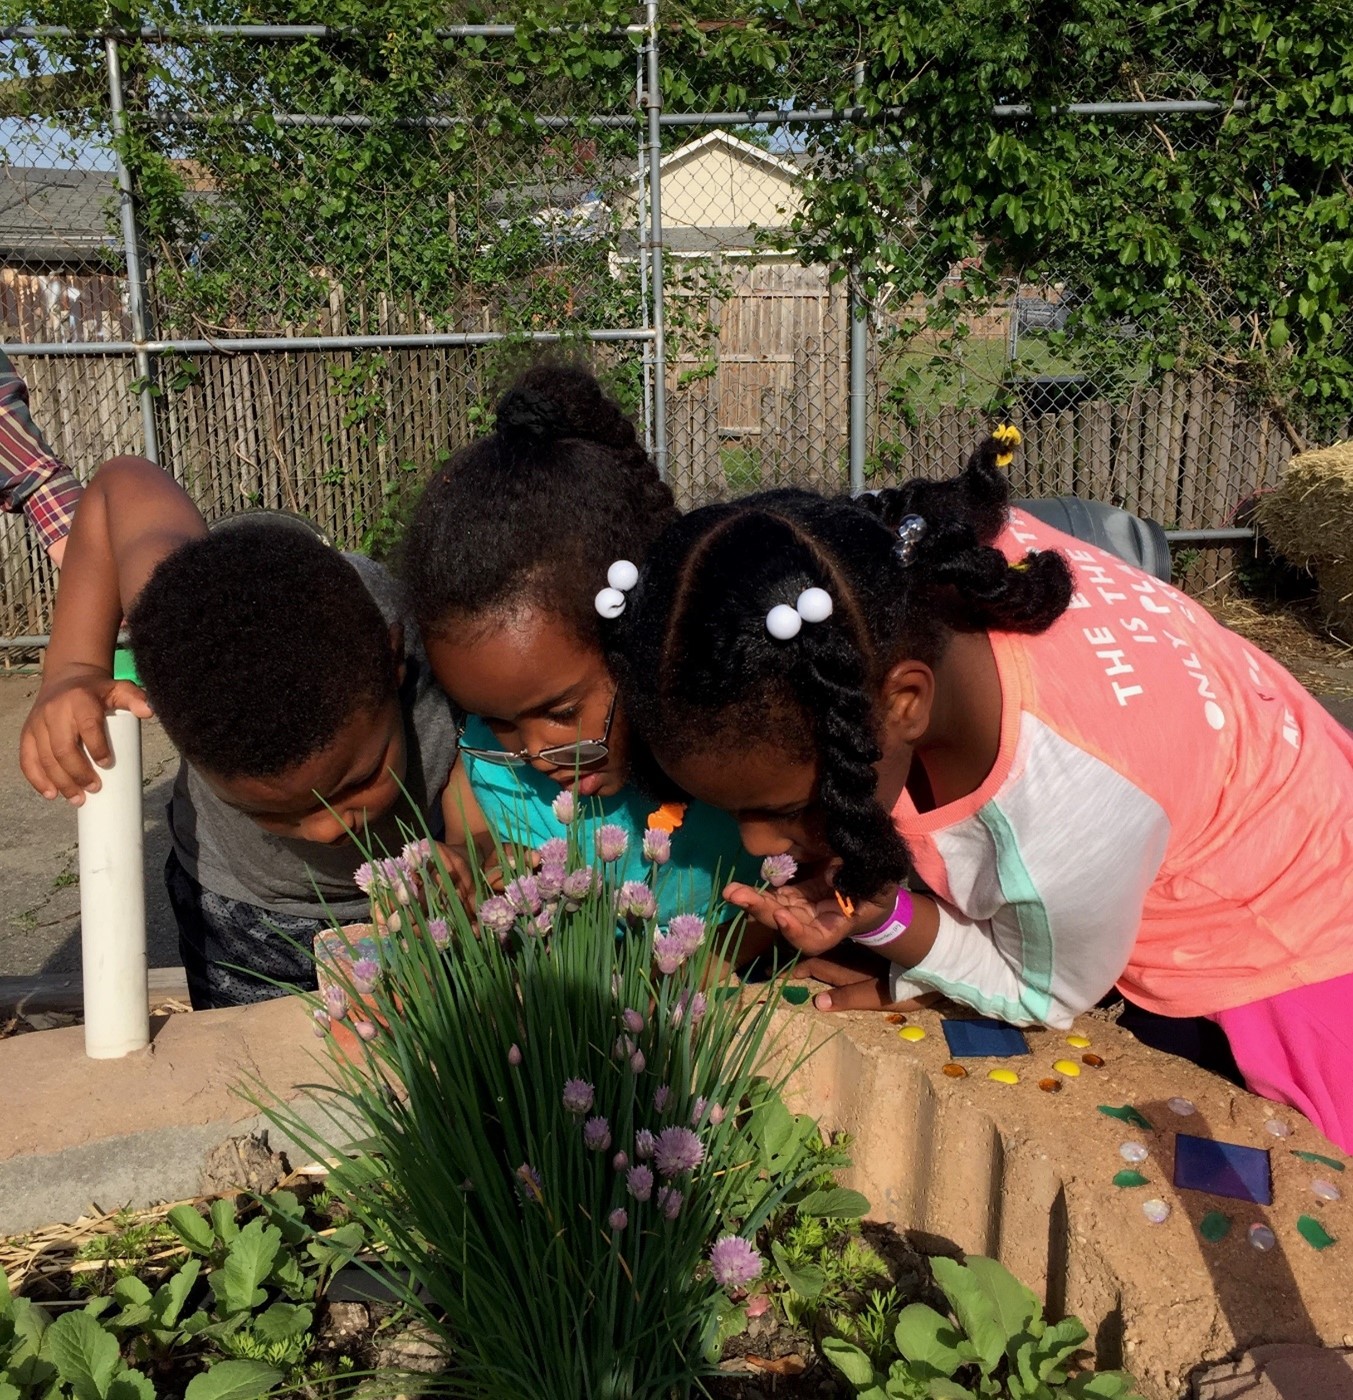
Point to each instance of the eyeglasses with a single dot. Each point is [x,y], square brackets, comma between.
[586,753]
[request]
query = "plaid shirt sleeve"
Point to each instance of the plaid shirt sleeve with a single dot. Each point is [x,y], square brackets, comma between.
[31,478]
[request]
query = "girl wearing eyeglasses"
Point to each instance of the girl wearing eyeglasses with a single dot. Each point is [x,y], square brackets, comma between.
[508,550]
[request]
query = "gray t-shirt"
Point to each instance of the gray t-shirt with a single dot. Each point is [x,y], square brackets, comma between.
[230,855]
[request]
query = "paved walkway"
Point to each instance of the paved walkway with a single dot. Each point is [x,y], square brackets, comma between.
[39,884]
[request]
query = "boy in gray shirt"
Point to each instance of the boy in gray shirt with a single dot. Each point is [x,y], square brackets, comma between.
[299,700]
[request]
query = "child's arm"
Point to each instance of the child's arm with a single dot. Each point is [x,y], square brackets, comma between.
[1003,966]
[131,517]
[467,830]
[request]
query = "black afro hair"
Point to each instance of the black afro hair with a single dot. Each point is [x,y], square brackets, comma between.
[256,646]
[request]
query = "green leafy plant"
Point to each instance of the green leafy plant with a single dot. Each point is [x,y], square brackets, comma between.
[234,1319]
[538,1097]
[994,1341]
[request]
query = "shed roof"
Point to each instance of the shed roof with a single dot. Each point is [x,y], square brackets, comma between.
[50,215]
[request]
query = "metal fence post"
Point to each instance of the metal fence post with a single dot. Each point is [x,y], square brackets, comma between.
[653,102]
[136,288]
[859,360]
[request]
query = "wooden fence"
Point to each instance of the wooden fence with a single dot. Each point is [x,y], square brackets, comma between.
[340,436]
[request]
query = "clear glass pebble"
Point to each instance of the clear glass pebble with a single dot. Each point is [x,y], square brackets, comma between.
[1185,1108]
[1261,1237]
[1134,1152]
[1277,1128]
[1156,1210]
[1325,1190]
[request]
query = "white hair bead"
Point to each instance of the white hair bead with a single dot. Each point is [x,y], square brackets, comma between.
[783,622]
[610,602]
[622,575]
[814,605]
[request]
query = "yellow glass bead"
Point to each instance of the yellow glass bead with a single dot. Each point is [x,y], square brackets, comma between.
[1079,1041]
[1067,1067]
[1003,1076]
[912,1033]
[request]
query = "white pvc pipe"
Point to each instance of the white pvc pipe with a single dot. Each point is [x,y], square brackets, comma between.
[113,901]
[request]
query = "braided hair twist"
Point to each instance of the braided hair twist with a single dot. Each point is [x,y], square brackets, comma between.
[699,672]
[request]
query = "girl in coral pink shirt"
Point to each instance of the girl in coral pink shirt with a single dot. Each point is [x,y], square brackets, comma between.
[1089,781]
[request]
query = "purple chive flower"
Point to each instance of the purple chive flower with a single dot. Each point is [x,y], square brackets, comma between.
[677,1150]
[554,851]
[695,1002]
[365,971]
[717,1115]
[335,1002]
[497,915]
[634,900]
[670,1201]
[634,1021]
[660,1096]
[778,870]
[579,1096]
[417,853]
[596,1134]
[529,1182]
[577,885]
[550,882]
[639,1182]
[734,1262]
[364,877]
[637,1062]
[620,1162]
[657,845]
[612,842]
[564,807]
[698,1110]
[618,1218]
[401,879]
[322,1022]
[365,1029]
[688,930]
[644,1143]
[623,1048]
[439,933]
[523,894]
[543,923]
[667,953]
[514,1055]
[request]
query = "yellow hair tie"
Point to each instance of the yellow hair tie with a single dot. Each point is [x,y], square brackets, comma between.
[1007,437]
[1021,567]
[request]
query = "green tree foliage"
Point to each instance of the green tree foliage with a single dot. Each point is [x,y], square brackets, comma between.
[1184,240]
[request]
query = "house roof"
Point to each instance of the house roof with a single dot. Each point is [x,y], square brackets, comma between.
[49,215]
[735,144]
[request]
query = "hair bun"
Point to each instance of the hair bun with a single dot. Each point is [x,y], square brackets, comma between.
[527,415]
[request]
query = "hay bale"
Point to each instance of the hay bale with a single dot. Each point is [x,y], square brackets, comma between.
[1308,518]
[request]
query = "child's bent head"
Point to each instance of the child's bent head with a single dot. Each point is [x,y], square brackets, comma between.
[276,676]
[776,648]
[507,550]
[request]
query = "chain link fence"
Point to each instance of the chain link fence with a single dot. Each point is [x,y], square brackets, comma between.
[294,265]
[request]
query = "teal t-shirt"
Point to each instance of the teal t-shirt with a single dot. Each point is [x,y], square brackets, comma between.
[706,850]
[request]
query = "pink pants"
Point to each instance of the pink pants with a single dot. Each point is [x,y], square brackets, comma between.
[1297,1048]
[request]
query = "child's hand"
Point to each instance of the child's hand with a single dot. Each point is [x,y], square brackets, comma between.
[807,912]
[855,986]
[459,870]
[65,721]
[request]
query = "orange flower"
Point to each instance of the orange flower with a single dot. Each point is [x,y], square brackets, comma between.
[668,817]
